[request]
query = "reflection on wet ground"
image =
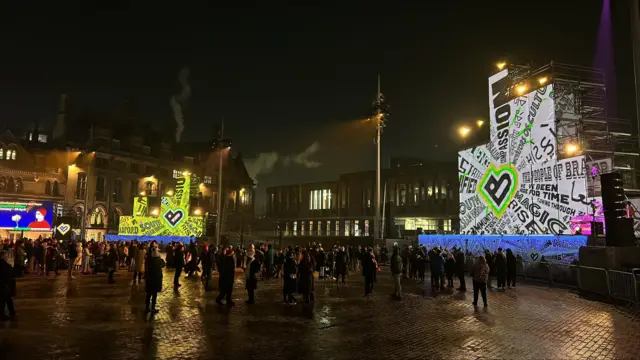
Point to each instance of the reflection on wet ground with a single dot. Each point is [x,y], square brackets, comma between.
[87,318]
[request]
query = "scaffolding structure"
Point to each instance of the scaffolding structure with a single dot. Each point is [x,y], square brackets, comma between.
[580,101]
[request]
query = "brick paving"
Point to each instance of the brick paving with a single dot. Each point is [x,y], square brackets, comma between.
[88,319]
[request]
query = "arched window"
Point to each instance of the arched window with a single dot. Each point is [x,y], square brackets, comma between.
[114,218]
[55,191]
[19,185]
[149,188]
[10,154]
[78,214]
[47,187]
[11,185]
[97,216]
[1,154]
[3,184]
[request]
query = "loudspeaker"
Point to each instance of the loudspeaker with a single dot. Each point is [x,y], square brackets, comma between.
[620,232]
[613,198]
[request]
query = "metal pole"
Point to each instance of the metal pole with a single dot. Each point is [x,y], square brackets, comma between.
[377,227]
[219,215]
[83,232]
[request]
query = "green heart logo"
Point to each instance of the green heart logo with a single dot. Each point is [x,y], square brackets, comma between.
[497,187]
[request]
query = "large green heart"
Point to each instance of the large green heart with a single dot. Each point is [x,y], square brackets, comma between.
[497,187]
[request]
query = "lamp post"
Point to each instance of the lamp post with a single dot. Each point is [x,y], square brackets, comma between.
[380,114]
[219,216]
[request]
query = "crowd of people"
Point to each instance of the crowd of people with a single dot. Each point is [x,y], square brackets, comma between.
[298,267]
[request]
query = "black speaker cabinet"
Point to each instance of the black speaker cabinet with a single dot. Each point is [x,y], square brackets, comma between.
[620,232]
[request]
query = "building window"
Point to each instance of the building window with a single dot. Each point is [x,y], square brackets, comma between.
[343,197]
[302,232]
[188,159]
[402,195]
[245,197]
[443,192]
[366,228]
[207,179]
[135,168]
[47,188]
[102,163]
[446,224]
[81,186]
[347,227]
[176,173]
[55,191]
[114,219]
[320,199]
[97,217]
[100,188]
[117,190]
[19,186]
[430,190]
[311,228]
[416,194]
[328,227]
[1,154]
[146,150]
[356,227]
[78,215]
[11,154]
[135,188]
[295,228]
[115,143]
[149,188]
[337,229]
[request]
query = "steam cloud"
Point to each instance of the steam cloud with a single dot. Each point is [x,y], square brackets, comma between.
[265,162]
[180,100]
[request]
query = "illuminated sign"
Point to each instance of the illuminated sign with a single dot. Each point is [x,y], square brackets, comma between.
[531,248]
[173,219]
[26,215]
[515,184]
[63,229]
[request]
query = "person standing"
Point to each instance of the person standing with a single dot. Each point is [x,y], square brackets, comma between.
[396,272]
[500,262]
[208,258]
[450,269]
[153,279]
[269,258]
[305,277]
[113,263]
[369,270]
[73,254]
[227,276]
[138,262]
[511,269]
[342,261]
[460,264]
[489,261]
[289,273]
[251,280]
[178,263]
[480,279]
[7,287]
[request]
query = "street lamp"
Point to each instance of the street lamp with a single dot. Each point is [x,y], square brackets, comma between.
[501,65]
[464,131]
[480,123]
[571,149]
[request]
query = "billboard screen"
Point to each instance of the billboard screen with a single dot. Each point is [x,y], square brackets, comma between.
[515,184]
[173,217]
[26,215]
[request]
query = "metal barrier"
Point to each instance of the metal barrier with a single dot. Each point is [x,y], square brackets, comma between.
[594,280]
[623,285]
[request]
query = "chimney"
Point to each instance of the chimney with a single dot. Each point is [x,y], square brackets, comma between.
[60,128]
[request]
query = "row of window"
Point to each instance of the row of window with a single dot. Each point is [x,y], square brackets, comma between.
[11,184]
[327,228]
[102,163]
[7,154]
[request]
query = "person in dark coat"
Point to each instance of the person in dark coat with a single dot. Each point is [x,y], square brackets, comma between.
[422,263]
[305,277]
[153,279]
[269,260]
[369,270]
[489,258]
[192,266]
[227,275]
[178,263]
[169,255]
[460,264]
[500,262]
[511,269]
[342,263]
[208,258]
[437,268]
[289,270]
[113,262]
[251,279]
[450,269]
[7,288]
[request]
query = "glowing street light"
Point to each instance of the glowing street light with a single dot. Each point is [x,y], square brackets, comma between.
[521,89]
[464,131]
[197,212]
[142,193]
[480,123]
[501,65]
[155,212]
[170,193]
[571,149]
[185,173]
[543,80]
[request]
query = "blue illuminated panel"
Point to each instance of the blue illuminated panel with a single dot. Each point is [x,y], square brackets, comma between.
[553,248]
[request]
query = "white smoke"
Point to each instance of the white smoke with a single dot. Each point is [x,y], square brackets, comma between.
[261,164]
[303,157]
[180,100]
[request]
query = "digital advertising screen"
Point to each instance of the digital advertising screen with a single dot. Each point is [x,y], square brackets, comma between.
[515,184]
[26,215]
[173,217]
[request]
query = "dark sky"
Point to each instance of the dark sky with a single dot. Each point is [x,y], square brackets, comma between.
[286,77]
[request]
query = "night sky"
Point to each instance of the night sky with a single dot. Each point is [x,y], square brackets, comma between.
[284,78]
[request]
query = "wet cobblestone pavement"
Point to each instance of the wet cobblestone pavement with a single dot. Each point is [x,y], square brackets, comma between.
[89,319]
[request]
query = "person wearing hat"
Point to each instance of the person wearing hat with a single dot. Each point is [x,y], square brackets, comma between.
[153,279]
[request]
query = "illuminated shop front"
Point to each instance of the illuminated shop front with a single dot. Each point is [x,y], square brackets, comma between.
[424,223]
